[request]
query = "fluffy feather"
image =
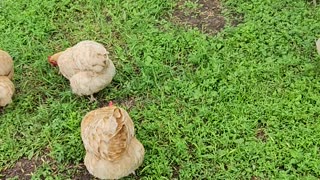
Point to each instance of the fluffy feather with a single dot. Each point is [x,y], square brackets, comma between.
[6,65]
[86,82]
[6,74]
[86,65]
[6,91]
[112,151]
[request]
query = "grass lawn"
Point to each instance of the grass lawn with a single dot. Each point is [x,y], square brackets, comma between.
[240,104]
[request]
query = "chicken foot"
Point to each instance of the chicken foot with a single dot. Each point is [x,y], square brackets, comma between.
[92,99]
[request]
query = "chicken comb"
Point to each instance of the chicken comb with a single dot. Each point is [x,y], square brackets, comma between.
[110,103]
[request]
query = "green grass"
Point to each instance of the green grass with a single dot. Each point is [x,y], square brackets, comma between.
[199,100]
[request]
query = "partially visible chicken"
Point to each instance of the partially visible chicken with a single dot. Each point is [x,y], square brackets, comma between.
[86,65]
[6,91]
[318,46]
[6,74]
[6,65]
[112,150]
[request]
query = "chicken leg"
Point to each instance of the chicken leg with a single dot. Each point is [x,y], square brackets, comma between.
[92,98]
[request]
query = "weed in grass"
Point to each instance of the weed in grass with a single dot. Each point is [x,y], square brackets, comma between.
[203,14]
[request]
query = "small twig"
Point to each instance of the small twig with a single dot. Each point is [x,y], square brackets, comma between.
[314,2]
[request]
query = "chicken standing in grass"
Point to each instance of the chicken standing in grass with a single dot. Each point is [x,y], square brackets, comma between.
[112,150]
[86,65]
[6,74]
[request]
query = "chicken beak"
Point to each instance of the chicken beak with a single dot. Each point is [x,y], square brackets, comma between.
[52,62]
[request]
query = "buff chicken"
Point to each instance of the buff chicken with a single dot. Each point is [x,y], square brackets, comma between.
[6,74]
[112,150]
[86,65]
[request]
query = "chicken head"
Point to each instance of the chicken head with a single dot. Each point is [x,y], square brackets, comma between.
[54,58]
[86,65]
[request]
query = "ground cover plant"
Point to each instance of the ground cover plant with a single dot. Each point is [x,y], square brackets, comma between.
[239,100]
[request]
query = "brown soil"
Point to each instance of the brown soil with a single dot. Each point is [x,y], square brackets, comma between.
[24,168]
[261,134]
[206,15]
[175,173]
[128,103]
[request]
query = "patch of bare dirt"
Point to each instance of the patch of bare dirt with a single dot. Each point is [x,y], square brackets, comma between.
[175,173]
[129,103]
[23,168]
[206,15]
[261,131]
[261,134]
